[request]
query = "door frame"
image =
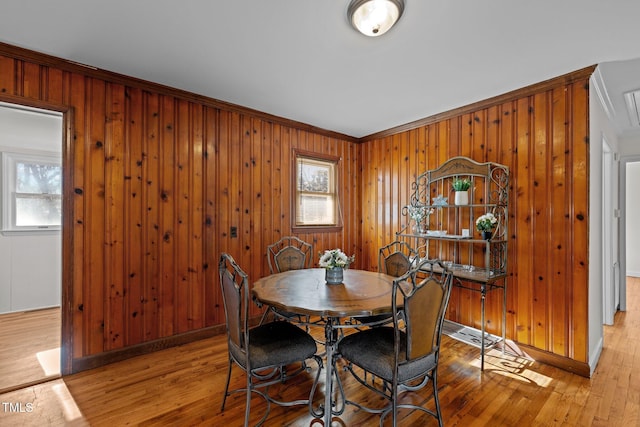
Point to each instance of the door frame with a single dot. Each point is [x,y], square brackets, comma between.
[66,285]
[608,280]
[624,160]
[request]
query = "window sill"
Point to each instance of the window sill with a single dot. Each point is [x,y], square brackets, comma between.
[32,232]
[316,228]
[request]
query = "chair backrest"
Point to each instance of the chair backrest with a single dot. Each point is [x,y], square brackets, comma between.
[289,253]
[425,292]
[396,258]
[234,283]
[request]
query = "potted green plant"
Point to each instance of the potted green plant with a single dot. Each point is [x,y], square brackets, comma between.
[485,224]
[461,187]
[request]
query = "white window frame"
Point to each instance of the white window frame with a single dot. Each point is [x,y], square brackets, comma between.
[9,161]
[299,223]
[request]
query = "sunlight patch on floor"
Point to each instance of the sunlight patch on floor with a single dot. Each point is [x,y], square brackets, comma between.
[49,361]
[512,363]
[70,410]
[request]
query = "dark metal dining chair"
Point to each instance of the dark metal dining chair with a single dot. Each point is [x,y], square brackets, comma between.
[409,351]
[394,259]
[262,351]
[288,253]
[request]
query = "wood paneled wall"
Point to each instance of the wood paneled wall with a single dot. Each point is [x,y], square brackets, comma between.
[541,134]
[156,179]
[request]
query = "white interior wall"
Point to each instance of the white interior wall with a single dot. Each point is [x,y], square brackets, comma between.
[630,154]
[600,126]
[30,264]
[633,226]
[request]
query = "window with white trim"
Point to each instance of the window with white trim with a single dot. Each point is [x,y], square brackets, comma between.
[316,196]
[31,192]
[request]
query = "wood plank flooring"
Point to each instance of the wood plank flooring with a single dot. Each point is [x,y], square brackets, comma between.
[29,347]
[183,386]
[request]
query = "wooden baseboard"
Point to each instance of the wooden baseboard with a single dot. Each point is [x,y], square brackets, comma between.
[97,360]
[565,363]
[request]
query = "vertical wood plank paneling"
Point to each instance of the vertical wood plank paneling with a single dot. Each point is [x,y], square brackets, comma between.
[166,186]
[379,167]
[8,75]
[559,221]
[285,170]
[158,182]
[95,236]
[267,142]
[507,156]
[197,292]
[134,237]
[31,81]
[367,257]
[478,130]
[79,318]
[151,211]
[54,84]
[403,178]
[234,157]
[212,302]
[540,223]
[537,136]
[395,176]
[353,171]
[115,214]
[245,190]
[255,247]
[256,164]
[466,136]
[181,237]
[580,172]
[522,206]
[223,164]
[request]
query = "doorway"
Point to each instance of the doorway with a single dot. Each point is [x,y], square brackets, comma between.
[630,232]
[31,148]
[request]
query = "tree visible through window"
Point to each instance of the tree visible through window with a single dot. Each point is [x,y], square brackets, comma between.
[32,192]
[316,203]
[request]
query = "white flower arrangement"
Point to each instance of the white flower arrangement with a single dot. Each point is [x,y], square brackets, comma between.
[419,213]
[335,258]
[486,222]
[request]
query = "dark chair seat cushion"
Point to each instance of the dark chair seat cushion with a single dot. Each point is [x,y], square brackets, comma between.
[372,350]
[276,344]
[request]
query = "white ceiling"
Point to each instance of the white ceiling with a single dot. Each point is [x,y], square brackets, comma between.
[301,60]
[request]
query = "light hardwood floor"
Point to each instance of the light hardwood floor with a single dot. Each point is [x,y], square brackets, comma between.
[29,347]
[183,386]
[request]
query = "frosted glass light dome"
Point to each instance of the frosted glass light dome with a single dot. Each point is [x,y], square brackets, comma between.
[374,17]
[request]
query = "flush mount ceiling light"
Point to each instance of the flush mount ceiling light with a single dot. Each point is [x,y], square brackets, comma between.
[374,17]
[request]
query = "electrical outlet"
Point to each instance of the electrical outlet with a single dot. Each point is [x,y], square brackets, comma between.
[233,231]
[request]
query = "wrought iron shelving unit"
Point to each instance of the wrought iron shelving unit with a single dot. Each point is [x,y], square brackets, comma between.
[478,264]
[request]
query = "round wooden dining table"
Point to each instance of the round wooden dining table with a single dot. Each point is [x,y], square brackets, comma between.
[305,292]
